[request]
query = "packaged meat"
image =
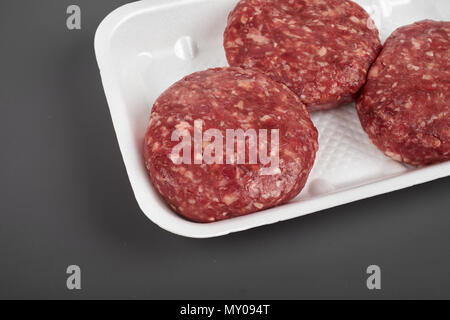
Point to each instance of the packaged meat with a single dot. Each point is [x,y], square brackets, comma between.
[405,105]
[320,49]
[226,142]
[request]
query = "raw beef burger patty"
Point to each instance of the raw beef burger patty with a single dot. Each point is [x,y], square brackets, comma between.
[320,49]
[405,105]
[228,98]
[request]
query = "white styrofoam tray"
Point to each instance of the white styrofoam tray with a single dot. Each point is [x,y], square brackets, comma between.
[144,47]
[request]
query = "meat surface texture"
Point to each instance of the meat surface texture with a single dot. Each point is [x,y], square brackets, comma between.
[320,49]
[229,99]
[405,105]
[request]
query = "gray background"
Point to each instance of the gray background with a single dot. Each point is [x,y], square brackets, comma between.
[66,199]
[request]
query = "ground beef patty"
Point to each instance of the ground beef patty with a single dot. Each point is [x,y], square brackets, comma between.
[228,98]
[405,105]
[320,49]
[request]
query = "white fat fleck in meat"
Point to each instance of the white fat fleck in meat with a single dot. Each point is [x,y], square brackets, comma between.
[280,109]
[239,41]
[271,171]
[408,104]
[258,38]
[355,19]
[322,51]
[230,198]
[265,118]
[253,189]
[180,170]
[156,146]
[394,156]
[258,205]
[292,35]
[277,20]
[240,105]
[164,131]
[289,153]
[188,174]
[149,141]
[416,43]
[183,125]
[246,84]
[413,67]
